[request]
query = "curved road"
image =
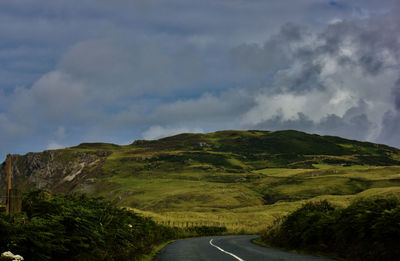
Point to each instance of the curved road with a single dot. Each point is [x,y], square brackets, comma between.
[225,248]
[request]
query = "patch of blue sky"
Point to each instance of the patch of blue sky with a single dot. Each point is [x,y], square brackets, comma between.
[337,4]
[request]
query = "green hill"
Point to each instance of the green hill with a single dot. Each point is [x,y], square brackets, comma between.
[243,179]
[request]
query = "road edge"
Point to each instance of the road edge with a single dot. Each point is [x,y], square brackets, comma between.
[156,249]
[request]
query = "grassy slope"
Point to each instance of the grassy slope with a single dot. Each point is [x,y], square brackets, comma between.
[242,179]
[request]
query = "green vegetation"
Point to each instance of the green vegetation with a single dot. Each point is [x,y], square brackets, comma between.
[368,229]
[76,227]
[207,184]
[236,179]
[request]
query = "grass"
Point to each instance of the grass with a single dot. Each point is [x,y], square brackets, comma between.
[250,215]
[238,204]
[281,172]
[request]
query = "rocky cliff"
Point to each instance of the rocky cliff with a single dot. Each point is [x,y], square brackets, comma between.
[57,170]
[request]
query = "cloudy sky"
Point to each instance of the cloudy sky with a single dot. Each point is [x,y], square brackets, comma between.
[75,71]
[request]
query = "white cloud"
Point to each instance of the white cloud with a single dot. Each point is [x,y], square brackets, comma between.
[54,146]
[156,132]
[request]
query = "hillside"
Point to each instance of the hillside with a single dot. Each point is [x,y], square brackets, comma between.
[240,178]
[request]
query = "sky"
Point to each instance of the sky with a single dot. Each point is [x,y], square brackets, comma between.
[75,71]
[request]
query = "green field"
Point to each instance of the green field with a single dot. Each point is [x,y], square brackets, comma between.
[250,204]
[239,179]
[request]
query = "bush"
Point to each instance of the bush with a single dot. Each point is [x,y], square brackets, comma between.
[369,229]
[76,227]
[306,228]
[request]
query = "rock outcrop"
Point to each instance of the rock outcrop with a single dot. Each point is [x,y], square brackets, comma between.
[59,170]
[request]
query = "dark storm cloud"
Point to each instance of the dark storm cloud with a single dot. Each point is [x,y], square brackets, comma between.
[370,45]
[319,80]
[273,55]
[306,79]
[354,124]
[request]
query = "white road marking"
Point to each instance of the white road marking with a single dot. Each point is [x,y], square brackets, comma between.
[226,252]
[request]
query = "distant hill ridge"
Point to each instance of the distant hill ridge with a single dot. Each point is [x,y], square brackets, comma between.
[92,167]
[287,148]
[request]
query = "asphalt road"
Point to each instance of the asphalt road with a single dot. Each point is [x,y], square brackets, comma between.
[225,248]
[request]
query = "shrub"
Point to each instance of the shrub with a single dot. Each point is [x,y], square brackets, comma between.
[369,229]
[76,227]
